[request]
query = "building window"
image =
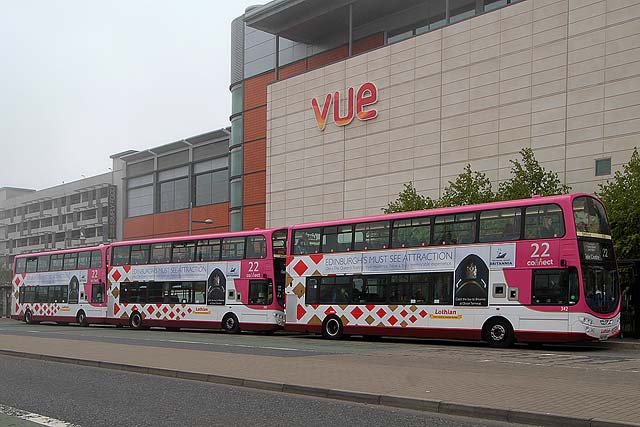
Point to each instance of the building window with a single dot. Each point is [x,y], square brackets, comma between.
[236,194]
[237,131]
[211,181]
[140,196]
[603,167]
[490,5]
[461,9]
[236,161]
[237,99]
[174,189]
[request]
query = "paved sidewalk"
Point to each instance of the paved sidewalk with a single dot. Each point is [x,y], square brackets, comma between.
[607,393]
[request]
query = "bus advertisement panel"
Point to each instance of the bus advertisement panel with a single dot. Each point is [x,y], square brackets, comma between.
[61,286]
[229,281]
[500,272]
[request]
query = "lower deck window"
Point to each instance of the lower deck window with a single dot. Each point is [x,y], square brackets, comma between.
[163,292]
[415,288]
[44,294]
[260,292]
[555,286]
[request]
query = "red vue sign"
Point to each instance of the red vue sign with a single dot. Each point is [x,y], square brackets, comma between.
[366,95]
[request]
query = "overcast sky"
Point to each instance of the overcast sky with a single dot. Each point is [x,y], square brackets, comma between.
[81,80]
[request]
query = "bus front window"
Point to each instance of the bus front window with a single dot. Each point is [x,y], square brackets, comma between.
[601,288]
[590,217]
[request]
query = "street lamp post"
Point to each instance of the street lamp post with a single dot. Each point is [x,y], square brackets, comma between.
[195,221]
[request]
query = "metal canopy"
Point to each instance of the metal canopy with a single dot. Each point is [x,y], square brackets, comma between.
[309,21]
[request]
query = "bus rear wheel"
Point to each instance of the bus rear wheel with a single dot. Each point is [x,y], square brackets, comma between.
[81,318]
[332,328]
[135,321]
[498,333]
[28,317]
[230,324]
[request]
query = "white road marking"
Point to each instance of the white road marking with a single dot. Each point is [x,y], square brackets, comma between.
[34,418]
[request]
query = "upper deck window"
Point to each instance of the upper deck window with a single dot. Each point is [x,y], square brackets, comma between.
[96,259]
[56,262]
[454,229]
[84,260]
[256,247]
[160,253]
[500,224]
[279,242]
[32,264]
[232,248]
[183,252]
[71,261]
[411,232]
[120,255]
[208,250]
[590,217]
[21,264]
[43,263]
[140,254]
[337,238]
[371,235]
[306,241]
[543,222]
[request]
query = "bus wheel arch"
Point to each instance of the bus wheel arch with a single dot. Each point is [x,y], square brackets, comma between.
[498,332]
[332,327]
[230,323]
[81,318]
[135,320]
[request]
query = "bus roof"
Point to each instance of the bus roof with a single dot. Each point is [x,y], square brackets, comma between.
[535,200]
[63,251]
[265,231]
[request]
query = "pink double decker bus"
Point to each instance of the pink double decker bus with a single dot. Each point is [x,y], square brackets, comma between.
[63,286]
[531,270]
[233,281]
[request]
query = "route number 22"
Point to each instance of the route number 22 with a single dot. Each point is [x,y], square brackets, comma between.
[544,246]
[253,266]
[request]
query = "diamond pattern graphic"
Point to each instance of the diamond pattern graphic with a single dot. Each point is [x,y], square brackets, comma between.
[423,314]
[299,290]
[300,267]
[413,319]
[381,313]
[369,319]
[116,276]
[403,313]
[356,313]
[393,320]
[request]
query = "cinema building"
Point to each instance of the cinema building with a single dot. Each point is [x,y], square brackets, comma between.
[338,103]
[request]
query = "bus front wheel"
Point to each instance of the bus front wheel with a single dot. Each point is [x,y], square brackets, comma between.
[135,321]
[498,333]
[81,318]
[332,328]
[230,324]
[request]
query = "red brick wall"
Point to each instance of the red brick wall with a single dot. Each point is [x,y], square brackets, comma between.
[255,90]
[255,124]
[176,223]
[253,217]
[368,43]
[255,188]
[255,155]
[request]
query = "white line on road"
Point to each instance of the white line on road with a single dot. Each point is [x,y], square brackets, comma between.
[34,418]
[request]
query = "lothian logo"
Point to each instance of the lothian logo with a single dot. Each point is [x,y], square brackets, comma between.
[366,95]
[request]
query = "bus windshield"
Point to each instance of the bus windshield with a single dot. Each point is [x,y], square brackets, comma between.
[590,217]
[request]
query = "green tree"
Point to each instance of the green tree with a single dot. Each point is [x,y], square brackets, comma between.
[529,178]
[410,200]
[623,208]
[469,188]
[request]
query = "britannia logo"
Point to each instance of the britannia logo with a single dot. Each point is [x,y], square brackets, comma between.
[366,95]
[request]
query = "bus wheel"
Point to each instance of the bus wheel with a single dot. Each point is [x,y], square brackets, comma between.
[135,321]
[28,318]
[230,324]
[81,318]
[332,328]
[498,333]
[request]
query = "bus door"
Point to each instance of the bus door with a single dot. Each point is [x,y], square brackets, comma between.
[279,249]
